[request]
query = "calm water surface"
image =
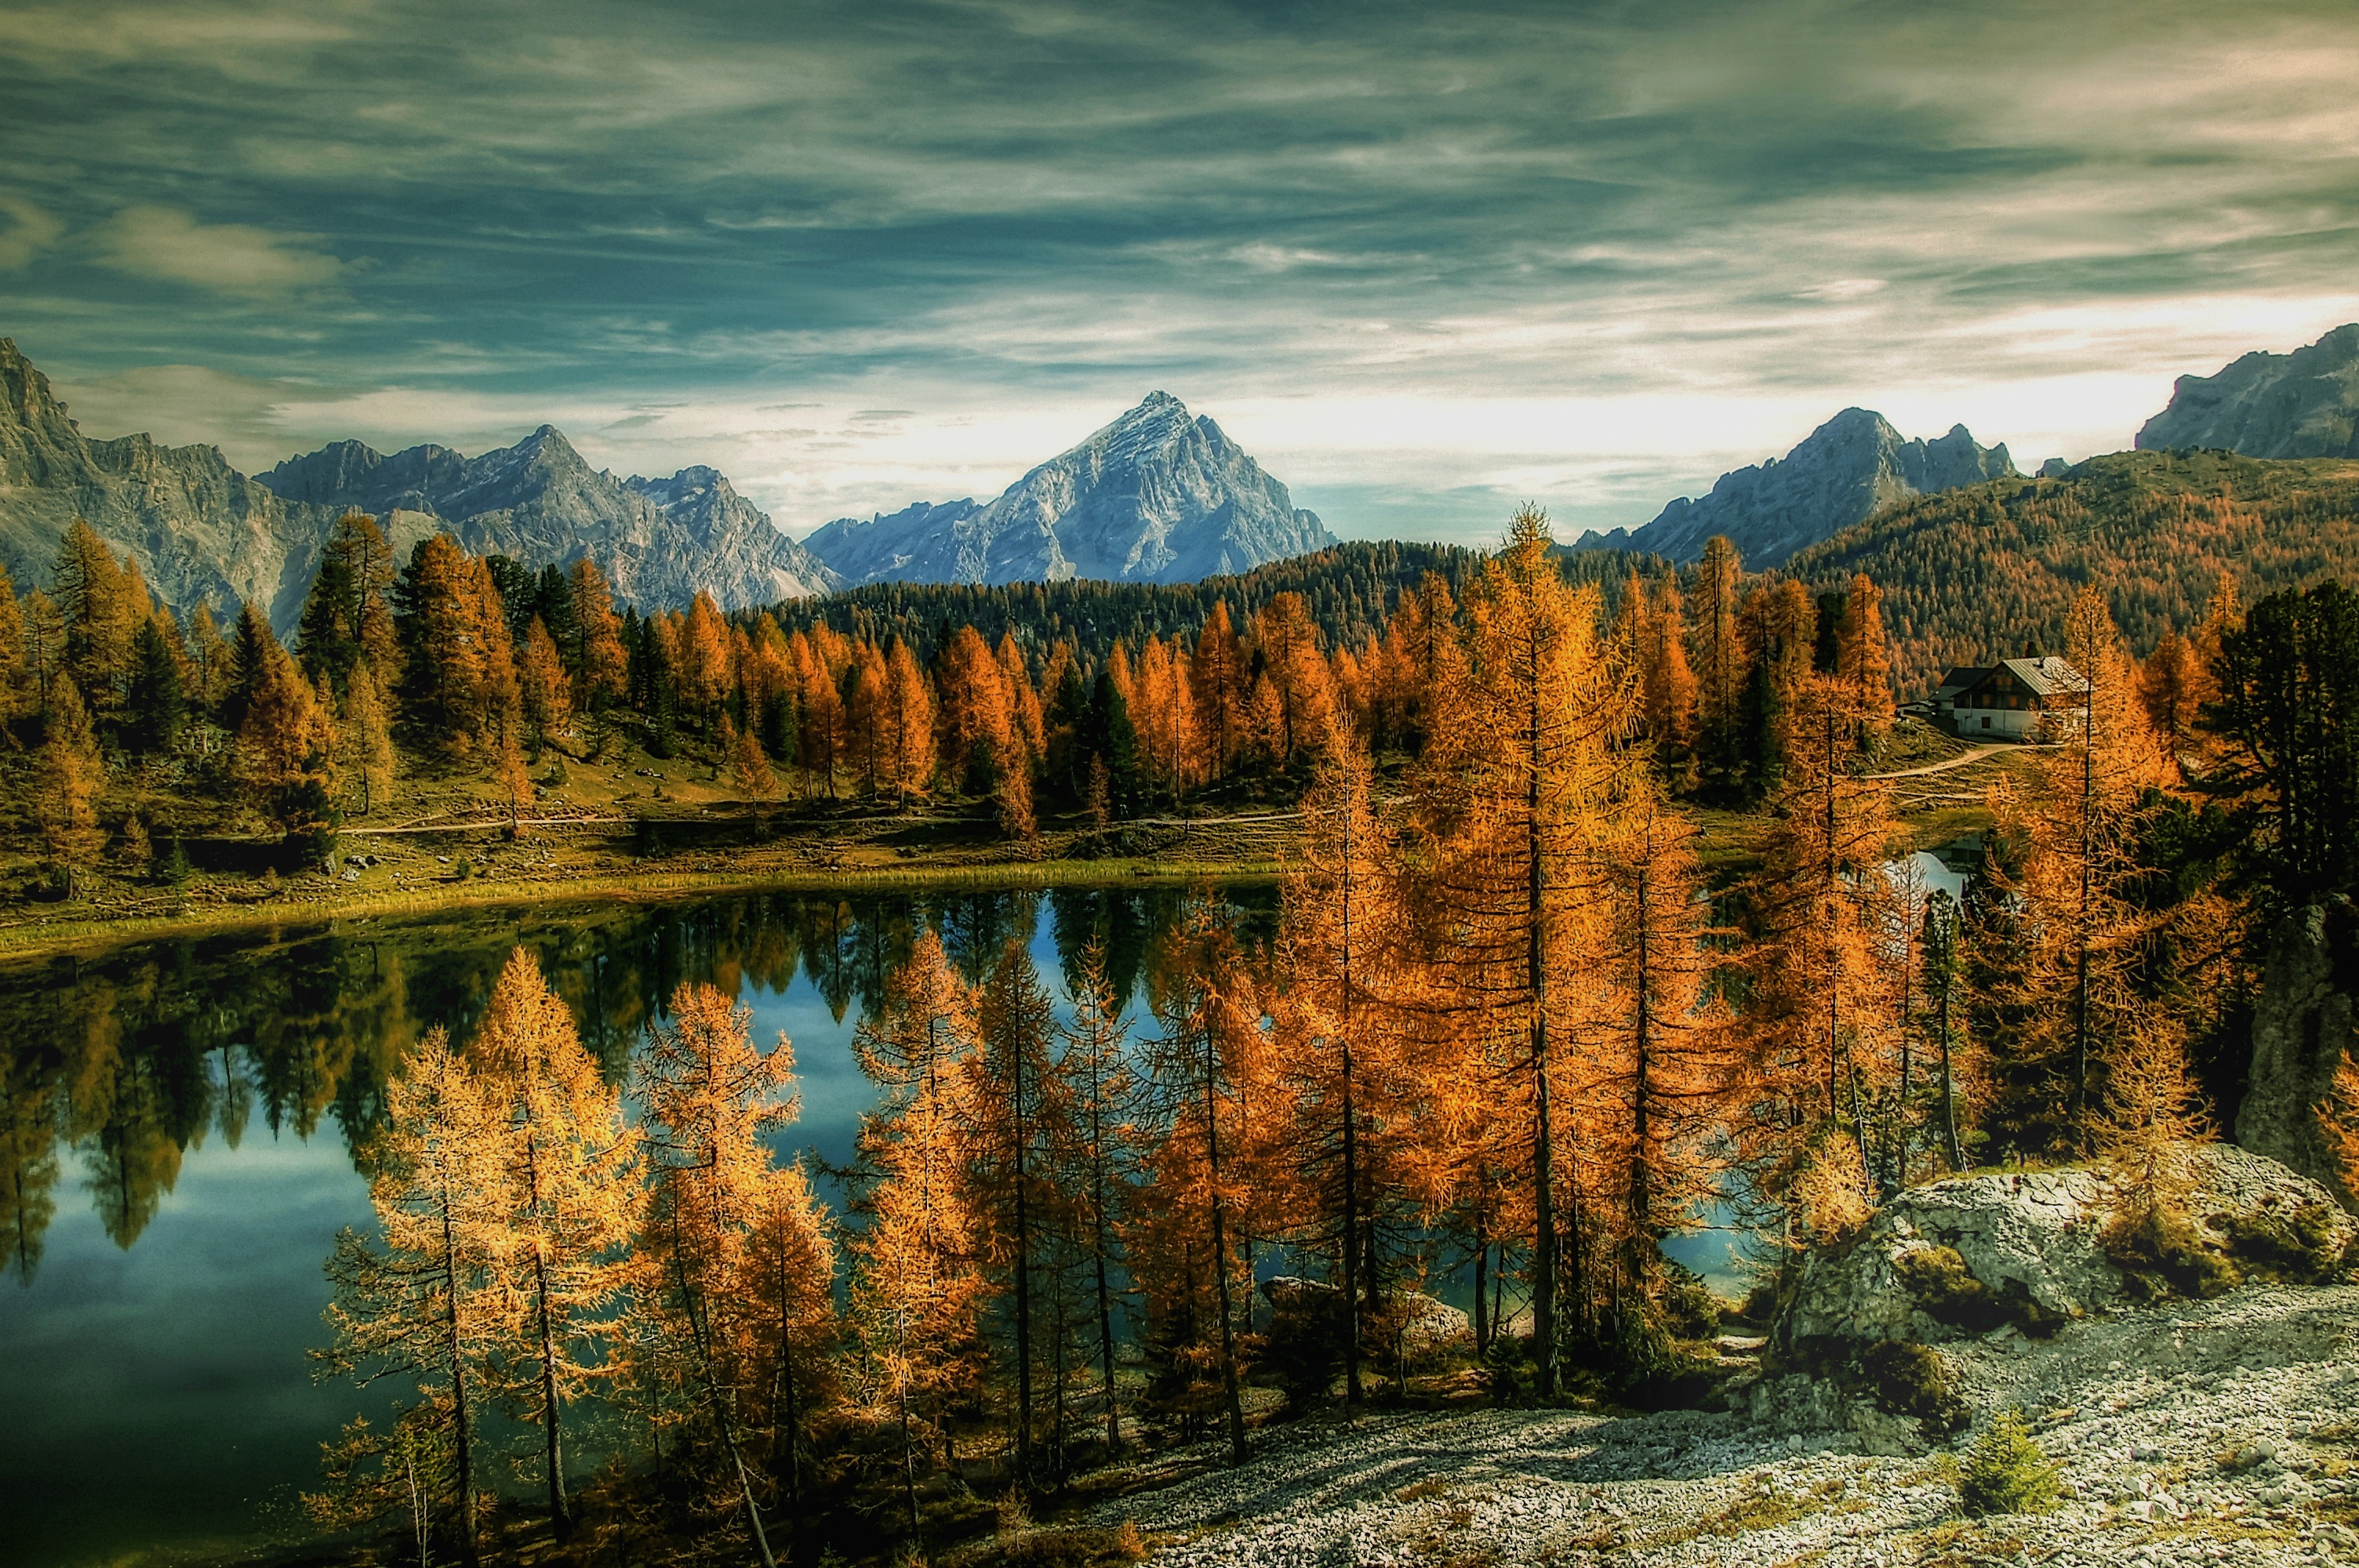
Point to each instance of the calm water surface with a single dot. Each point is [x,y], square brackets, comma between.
[175,1127]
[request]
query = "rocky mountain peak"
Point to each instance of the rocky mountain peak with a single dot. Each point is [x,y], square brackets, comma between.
[1842,473]
[1155,495]
[2299,405]
[26,399]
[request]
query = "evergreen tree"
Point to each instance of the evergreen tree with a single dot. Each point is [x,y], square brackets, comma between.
[1510,792]
[153,706]
[1014,1117]
[709,1098]
[71,772]
[1097,1085]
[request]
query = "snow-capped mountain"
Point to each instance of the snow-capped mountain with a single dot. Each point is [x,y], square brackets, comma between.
[1156,496]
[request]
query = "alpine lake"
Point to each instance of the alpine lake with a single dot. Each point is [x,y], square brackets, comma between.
[179,1121]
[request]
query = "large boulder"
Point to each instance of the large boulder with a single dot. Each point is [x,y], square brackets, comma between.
[1857,1341]
[2301,1027]
[2036,1249]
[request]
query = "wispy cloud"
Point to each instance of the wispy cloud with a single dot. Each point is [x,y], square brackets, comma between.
[167,245]
[1422,260]
[29,231]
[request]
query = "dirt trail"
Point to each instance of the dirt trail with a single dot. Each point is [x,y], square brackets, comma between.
[1968,758]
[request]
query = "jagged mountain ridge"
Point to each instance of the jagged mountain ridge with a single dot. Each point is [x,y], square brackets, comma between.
[2300,405]
[199,530]
[913,544]
[661,540]
[1156,496]
[1842,473]
[203,533]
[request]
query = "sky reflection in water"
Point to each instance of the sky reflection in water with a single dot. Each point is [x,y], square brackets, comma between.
[183,1110]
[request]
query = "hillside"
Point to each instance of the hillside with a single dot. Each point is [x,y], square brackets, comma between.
[661,540]
[2301,405]
[1988,570]
[203,533]
[199,529]
[1351,589]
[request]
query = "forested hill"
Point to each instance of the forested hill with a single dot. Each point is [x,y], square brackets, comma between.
[1988,571]
[1350,589]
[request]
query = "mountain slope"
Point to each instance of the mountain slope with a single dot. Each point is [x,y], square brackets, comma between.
[913,544]
[2301,405]
[660,541]
[199,529]
[1838,475]
[1156,496]
[1974,574]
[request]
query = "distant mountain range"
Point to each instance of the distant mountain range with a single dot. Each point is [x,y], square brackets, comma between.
[203,532]
[1156,496]
[659,540]
[1843,472]
[2301,405]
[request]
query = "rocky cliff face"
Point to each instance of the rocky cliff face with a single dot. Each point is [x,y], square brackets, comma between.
[917,544]
[199,529]
[1842,473]
[2301,405]
[661,540]
[1156,496]
[203,532]
[2303,1024]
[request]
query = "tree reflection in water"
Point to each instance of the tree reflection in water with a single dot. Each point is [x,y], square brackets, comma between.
[118,1064]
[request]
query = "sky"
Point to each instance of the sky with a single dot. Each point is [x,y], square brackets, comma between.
[1425,262]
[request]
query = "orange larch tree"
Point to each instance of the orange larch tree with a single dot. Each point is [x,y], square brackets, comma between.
[1510,804]
[709,1098]
[568,1159]
[427,1300]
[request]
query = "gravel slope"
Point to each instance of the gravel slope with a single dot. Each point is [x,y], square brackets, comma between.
[2218,1431]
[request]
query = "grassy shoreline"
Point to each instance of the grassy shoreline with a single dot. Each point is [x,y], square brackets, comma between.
[80,934]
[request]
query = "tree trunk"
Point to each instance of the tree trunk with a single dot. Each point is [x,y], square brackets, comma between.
[1023,1283]
[1351,1239]
[1229,1390]
[462,1428]
[1544,1238]
[560,1520]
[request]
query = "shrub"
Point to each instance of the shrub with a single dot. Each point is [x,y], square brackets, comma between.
[1937,1278]
[2160,1249]
[1910,1380]
[2006,1472]
[2300,1247]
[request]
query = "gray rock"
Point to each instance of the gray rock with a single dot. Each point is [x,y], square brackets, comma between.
[1843,472]
[660,541]
[1156,496]
[203,533]
[2302,1026]
[200,531]
[1989,1258]
[2301,405]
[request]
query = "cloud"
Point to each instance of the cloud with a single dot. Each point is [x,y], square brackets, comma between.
[29,231]
[1413,258]
[170,246]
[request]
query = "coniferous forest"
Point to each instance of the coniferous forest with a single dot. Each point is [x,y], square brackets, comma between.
[1513,1033]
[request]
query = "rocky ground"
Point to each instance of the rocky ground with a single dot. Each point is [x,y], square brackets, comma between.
[2212,1430]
